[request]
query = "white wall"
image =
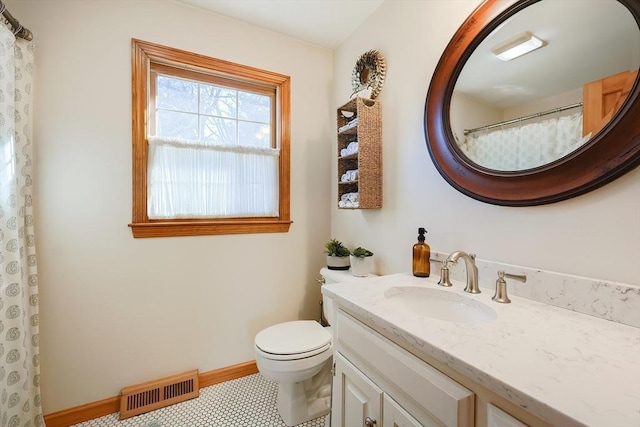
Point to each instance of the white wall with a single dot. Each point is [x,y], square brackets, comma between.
[546,104]
[595,235]
[115,310]
[468,113]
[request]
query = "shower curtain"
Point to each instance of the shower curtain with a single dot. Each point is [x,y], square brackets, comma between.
[19,354]
[526,146]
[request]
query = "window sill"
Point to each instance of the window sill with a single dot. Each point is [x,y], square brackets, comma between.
[208,228]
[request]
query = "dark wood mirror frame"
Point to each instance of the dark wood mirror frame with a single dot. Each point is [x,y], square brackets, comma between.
[612,152]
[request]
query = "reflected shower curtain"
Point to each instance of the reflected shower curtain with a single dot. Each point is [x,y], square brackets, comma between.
[526,146]
[19,354]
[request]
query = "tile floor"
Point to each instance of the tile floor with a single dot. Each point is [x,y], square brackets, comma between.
[245,402]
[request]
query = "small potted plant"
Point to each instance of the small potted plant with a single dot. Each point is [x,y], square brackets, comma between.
[361,262]
[337,255]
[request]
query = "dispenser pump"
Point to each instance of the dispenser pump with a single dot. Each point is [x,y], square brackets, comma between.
[421,256]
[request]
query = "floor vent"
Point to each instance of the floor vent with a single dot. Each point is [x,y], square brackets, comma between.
[141,398]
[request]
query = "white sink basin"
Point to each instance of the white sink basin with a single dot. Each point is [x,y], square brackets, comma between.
[439,304]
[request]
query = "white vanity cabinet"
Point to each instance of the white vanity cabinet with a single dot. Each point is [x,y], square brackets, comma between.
[511,372]
[379,384]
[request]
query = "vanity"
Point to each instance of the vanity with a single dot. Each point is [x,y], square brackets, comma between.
[403,357]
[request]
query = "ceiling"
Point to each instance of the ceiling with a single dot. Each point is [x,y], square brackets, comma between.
[600,40]
[325,23]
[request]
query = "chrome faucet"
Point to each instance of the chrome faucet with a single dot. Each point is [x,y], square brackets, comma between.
[472,270]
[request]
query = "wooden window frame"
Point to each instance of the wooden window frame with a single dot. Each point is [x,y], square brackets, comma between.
[144,55]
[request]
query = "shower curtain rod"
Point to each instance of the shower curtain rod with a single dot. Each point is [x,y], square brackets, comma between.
[519,119]
[17,28]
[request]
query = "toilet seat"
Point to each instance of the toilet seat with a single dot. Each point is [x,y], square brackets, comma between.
[293,340]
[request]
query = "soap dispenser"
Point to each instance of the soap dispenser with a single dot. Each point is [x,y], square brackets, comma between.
[421,256]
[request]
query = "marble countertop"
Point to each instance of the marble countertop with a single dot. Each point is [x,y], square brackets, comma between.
[567,368]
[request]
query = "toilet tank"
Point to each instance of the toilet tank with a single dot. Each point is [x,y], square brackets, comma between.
[335,276]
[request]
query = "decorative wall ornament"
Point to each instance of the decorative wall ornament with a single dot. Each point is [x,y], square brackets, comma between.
[369,72]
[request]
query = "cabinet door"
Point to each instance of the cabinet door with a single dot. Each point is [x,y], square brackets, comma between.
[395,416]
[498,418]
[355,397]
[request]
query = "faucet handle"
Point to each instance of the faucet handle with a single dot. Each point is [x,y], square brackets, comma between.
[501,286]
[519,277]
[444,275]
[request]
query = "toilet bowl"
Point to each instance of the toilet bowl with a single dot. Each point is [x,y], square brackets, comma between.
[298,355]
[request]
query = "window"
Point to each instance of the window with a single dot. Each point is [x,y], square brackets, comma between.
[210,145]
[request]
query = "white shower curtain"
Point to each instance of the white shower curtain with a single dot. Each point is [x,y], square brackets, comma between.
[526,146]
[19,354]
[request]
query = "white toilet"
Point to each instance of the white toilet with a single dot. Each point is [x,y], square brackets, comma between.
[298,355]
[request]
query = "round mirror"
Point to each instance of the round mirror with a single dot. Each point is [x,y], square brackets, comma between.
[534,101]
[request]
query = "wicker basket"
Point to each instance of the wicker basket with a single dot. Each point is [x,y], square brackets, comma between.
[368,159]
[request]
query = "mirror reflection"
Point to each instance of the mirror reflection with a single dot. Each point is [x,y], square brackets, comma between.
[531,110]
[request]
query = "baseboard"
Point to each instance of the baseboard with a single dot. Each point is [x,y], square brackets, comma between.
[240,370]
[71,416]
[89,411]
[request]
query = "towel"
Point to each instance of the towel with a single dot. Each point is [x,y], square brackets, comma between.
[349,125]
[349,200]
[349,176]
[349,197]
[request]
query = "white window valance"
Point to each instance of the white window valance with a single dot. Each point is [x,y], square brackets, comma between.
[200,179]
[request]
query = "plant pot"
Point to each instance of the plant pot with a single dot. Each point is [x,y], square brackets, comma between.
[337,262]
[361,266]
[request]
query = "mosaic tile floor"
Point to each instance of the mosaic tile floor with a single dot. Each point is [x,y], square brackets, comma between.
[246,402]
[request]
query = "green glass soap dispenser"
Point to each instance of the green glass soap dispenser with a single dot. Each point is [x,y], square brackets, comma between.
[421,256]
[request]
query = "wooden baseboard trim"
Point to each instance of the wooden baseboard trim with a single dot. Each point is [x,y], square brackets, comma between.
[81,413]
[98,409]
[229,373]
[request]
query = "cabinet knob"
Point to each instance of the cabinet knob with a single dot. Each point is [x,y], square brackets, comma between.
[368,422]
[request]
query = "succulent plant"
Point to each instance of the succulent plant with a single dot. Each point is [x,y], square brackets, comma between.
[335,247]
[361,252]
